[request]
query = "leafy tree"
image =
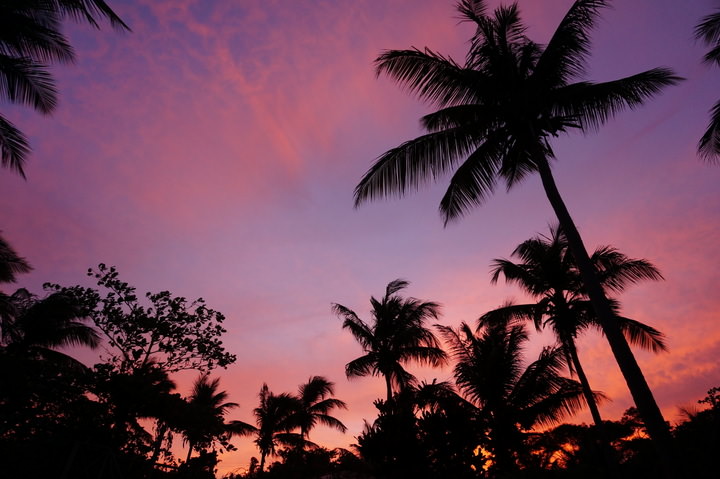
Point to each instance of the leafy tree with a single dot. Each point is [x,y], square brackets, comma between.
[497,115]
[548,273]
[30,41]
[396,336]
[708,30]
[509,398]
[173,334]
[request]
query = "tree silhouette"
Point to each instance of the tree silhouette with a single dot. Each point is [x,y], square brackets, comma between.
[548,273]
[204,419]
[276,417]
[316,402]
[511,399]
[30,40]
[708,30]
[171,333]
[498,113]
[395,337]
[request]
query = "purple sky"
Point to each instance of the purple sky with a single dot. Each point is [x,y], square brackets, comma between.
[213,153]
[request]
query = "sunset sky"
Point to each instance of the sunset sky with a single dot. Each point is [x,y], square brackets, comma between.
[214,150]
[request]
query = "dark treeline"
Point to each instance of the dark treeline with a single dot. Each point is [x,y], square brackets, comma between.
[499,416]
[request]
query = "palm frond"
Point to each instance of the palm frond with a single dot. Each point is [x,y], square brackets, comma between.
[475,179]
[395,286]
[616,271]
[566,54]
[362,366]
[23,80]
[434,78]
[414,163]
[11,264]
[709,144]
[593,104]
[14,147]
[640,334]
[36,37]
[90,11]
[708,30]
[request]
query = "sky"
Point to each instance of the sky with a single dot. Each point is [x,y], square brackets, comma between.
[213,152]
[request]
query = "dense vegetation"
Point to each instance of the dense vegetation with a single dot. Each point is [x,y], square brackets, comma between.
[501,415]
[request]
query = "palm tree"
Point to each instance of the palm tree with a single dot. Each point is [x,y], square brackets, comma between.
[39,326]
[206,408]
[498,112]
[316,402]
[31,40]
[708,30]
[396,336]
[509,398]
[548,273]
[276,417]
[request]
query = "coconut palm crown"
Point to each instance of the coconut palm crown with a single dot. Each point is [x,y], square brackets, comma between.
[396,336]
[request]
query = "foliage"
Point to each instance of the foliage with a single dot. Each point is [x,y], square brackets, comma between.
[396,336]
[172,333]
[31,39]
[708,30]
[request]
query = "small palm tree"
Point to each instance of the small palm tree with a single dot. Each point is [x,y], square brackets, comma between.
[206,408]
[396,336]
[30,40]
[276,417]
[316,402]
[498,114]
[548,273]
[708,30]
[510,398]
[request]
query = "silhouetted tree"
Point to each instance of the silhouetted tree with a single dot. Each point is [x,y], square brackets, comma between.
[497,115]
[276,417]
[396,336]
[548,273]
[708,30]
[205,416]
[510,398]
[316,403]
[31,39]
[172,333]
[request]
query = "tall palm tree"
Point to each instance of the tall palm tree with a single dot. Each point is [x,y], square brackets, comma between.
[316,402]
[510,398]
[396,336]
[205,413]
[548,273]
[498,113]
[708,30]
[30,40]
[276,417]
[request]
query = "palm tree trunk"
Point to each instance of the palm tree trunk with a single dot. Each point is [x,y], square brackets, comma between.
[191,445]
[639,389]
[388,386]
[606,451]
[262,461]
